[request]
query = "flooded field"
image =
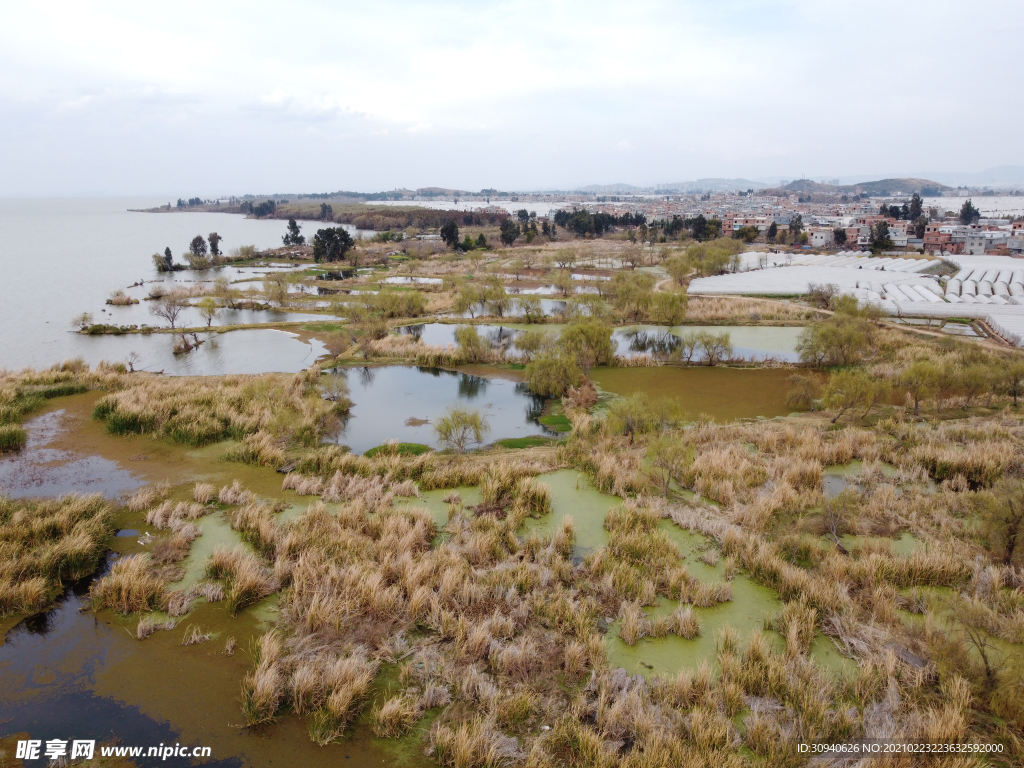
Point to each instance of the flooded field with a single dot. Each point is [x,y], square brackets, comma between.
[724,393]
[70,674]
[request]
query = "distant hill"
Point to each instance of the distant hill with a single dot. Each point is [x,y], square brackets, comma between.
[880,188]
[999,176]
[711,185]
[697,185]
[612,189]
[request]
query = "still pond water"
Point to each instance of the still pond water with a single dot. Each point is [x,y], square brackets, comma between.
[753,343]
[403,402]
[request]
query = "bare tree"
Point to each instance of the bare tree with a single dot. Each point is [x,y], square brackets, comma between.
[565,258]
[168,308]
[633,256]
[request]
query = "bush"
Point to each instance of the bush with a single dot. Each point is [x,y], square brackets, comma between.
[551,373]
[639,414]
[394,303]
[471,347]
[589,342]
[458,428]
[840,340]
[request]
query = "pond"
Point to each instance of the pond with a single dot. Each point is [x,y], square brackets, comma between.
[402,402]
[573,496]
[751,606]
[548,308]
[43,469]
[722,393]
[749,342]
[752,343]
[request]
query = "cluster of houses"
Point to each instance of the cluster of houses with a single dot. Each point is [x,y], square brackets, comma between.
[989,236]
[821,221]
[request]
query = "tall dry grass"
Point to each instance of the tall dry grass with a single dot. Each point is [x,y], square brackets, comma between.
[130,587]
[247,580]
[259,411]
[46,544]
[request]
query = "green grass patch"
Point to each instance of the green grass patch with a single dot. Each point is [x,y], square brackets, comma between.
[12,437]
[402,449]
[558,422]
[63,390]
[524,442]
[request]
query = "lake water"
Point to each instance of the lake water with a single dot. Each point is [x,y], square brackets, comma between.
[62,257]
[402,402]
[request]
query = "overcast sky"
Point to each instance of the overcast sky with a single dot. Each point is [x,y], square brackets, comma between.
[217,97]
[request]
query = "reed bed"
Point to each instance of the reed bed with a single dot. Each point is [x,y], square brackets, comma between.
[247,580]
[708,309]
[259,411]
[46,544]
[147,496]
[130,587]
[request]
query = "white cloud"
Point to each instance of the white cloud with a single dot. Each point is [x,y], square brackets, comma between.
[512,94]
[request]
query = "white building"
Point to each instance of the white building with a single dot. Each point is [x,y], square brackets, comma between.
[820,237]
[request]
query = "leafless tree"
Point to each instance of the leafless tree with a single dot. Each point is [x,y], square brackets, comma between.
[168,308]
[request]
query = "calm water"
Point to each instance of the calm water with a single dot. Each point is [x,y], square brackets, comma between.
[723,393]
[42,470]
[62,257]
[391,401]
[749,342]
[256,351]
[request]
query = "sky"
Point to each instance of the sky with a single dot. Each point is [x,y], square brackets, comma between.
[213,98]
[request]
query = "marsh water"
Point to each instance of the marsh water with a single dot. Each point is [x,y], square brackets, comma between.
[722,393]
[62,257]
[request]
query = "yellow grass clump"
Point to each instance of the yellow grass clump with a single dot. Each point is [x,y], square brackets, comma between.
[45,544]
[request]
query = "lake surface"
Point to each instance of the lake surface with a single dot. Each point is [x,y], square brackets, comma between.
[62,257]
[390,402]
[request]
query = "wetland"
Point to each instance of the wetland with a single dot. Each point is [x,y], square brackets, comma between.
[373,518]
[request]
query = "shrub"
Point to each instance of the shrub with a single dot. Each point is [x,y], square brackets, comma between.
[458,428]
[551,373]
